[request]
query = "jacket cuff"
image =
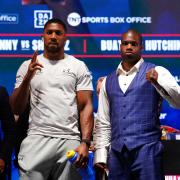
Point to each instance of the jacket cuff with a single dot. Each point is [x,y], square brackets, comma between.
[100,156]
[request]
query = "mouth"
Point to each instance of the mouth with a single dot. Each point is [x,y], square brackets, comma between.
[129,52]
[54,43]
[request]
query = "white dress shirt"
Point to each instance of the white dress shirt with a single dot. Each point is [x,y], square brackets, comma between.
[103,128]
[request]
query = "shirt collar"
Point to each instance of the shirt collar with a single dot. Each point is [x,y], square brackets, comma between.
[135,68]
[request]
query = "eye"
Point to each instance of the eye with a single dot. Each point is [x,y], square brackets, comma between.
[134,43]
[59,33]
[49,32]
[125,43]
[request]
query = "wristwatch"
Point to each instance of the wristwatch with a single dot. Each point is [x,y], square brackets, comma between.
[87,141]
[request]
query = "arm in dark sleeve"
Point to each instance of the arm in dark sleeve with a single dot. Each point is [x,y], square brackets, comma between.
[8,125]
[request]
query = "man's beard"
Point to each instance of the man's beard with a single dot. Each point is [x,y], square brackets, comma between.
[53,48]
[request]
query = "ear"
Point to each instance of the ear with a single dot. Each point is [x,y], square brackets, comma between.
[65,38]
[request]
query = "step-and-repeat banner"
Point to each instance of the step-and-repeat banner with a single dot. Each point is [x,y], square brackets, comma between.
[94,31]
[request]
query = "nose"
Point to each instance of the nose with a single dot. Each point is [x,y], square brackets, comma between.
[129,46]
[53,35]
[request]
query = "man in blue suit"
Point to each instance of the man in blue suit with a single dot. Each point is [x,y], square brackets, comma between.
[128,115]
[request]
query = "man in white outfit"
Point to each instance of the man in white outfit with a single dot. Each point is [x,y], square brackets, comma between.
[61,114]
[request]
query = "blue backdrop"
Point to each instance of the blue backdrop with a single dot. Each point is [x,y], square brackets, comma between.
[94,30]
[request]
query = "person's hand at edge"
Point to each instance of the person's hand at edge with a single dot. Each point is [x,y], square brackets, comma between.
[2,165]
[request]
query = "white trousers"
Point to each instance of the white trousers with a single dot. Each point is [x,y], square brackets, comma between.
[42,158]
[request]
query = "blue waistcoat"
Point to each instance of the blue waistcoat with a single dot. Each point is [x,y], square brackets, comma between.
[134,115]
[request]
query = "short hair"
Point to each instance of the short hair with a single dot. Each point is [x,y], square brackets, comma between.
[100,79]
[135,32]
[56,20]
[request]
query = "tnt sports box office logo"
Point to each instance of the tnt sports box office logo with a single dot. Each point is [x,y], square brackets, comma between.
[9,18]
[41,17]
[75,19]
